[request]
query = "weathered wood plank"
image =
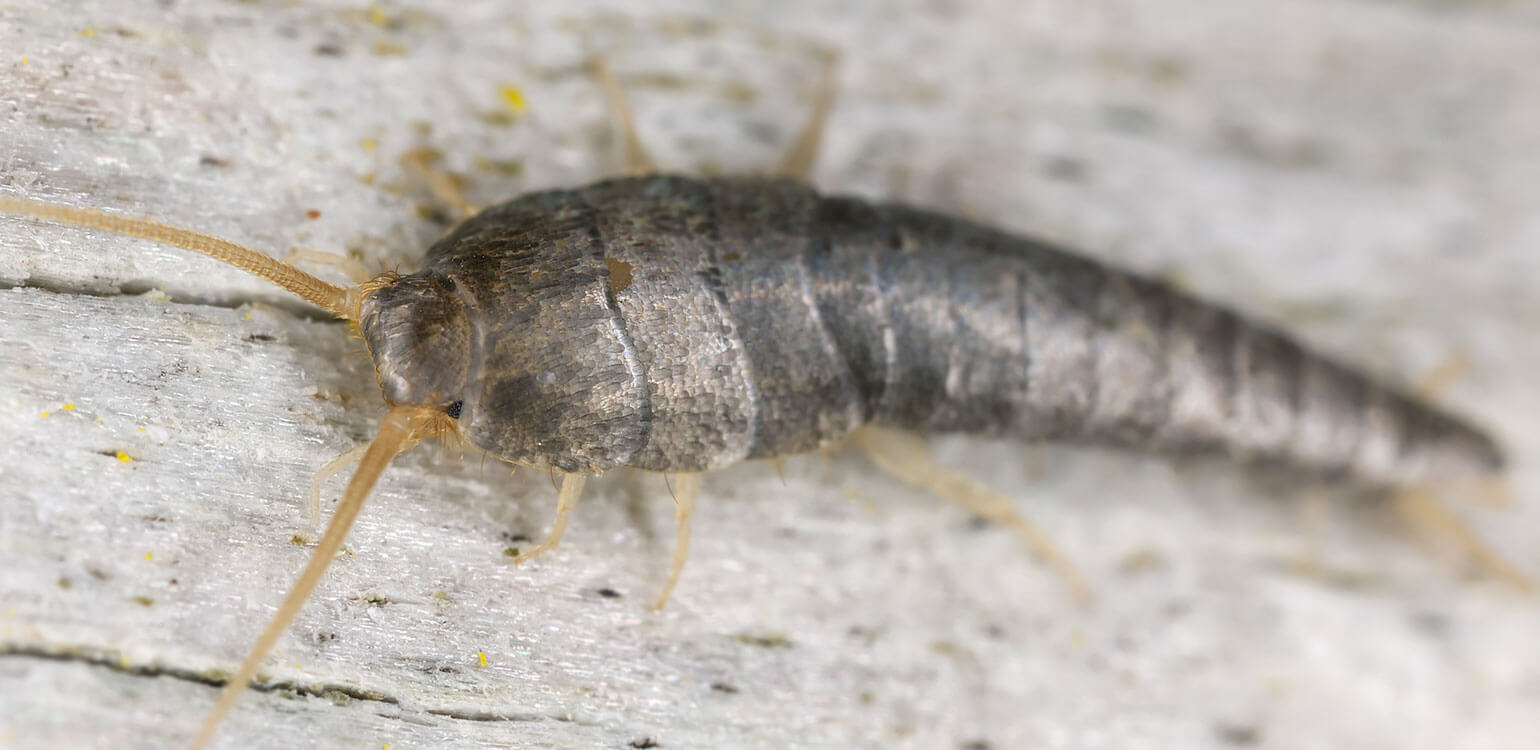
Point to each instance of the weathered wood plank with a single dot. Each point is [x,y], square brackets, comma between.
[1364,172]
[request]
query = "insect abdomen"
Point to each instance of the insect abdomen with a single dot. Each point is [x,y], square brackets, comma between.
[953,327]
[675,324]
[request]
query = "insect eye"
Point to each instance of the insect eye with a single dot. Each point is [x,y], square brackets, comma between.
[454,409]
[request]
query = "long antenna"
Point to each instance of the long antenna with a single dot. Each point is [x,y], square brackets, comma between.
[329,297]
[398,429]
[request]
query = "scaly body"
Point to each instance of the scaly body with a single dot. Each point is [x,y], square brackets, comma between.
[675,324]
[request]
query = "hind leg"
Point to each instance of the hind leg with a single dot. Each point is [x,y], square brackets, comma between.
[1454,365]
[445,185]
[685,488]
[1423,512]
[571,490]
[635,157]
[905,457]
[803,154]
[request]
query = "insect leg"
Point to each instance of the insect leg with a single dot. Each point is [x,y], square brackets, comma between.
[331,469]
[636,160]
[780,468]
[1490,491]
[445,185]
[686,489]
[566,500]
[1426,514]
[799,160]
[905,457]
[1454,365]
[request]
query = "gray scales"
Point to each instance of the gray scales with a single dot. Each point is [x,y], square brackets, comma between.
[673,324]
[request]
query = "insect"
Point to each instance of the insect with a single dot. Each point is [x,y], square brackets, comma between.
[679,325]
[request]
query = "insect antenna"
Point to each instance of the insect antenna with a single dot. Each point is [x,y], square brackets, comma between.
[400,427]
[329,297]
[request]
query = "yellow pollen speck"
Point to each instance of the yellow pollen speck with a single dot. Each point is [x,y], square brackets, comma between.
[25,60]
[88,31]
[388,48]
[514,98]
[45,414]
[69,406]
[482,657]
[369,144]
[141,429]
[149,555]
[377,16]
[124,457]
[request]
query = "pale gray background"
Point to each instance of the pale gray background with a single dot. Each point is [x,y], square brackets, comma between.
[1363,172]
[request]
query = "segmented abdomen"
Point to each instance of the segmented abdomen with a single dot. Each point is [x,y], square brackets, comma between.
[676,324]
[967,329]
[946,326]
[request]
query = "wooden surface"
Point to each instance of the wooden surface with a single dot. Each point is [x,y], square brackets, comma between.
[1362,172]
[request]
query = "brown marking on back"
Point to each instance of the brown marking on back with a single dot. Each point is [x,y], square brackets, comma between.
[620,274]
